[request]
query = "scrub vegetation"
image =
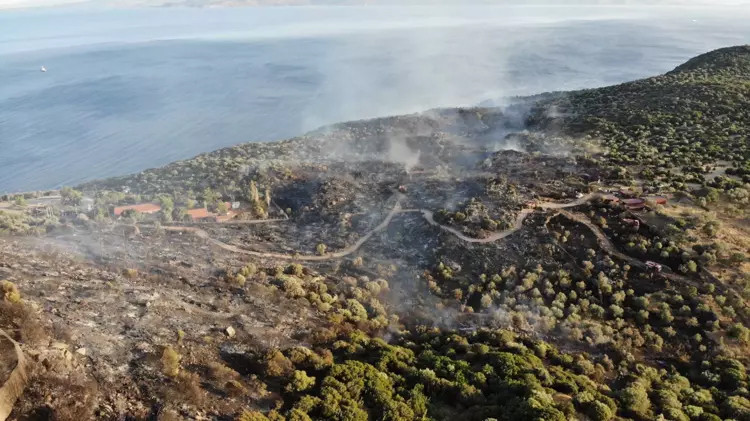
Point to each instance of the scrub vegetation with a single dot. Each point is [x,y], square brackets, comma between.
[588,261]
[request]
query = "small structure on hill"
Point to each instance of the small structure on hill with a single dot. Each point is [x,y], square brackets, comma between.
[633,223]
[87,204]
[200,214]
[634,204]
[654,267]
[204,215]
[659,200]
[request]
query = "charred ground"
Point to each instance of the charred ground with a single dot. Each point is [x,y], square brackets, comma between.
[574,255]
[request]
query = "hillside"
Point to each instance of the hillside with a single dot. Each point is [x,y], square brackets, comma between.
[691,117]
[582,255]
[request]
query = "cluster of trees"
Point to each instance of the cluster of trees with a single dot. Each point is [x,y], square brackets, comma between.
[487,374]
[349,373]
[686,244]
[689,118]
[174,205]
[231,168]
[429,374]
[71,196]
[600,305]
[349,299]
[12,223]
[474,218]
[259,207]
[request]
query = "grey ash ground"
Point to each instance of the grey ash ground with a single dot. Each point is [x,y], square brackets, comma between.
[444,242]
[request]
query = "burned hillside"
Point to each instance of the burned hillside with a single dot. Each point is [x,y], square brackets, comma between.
[509,264]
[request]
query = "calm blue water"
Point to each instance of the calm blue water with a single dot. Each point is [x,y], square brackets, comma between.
[132,89]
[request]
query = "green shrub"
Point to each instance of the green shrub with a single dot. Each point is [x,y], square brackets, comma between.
[300,382]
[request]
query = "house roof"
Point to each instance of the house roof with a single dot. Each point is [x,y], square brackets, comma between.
[611,198]
[141,208]
[658,199]
[633,202]
[203,213]
[200,213]
[636,206]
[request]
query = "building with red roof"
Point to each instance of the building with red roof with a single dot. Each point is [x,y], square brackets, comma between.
[634,204]
[611,198]
[203,214]
[200,214]
[659,200]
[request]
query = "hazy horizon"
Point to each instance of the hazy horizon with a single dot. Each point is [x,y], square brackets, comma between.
[13,4]
[128,90]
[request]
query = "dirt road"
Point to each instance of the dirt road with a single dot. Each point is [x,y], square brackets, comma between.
[606,244]
[517,225]
[428,215]
[299,257]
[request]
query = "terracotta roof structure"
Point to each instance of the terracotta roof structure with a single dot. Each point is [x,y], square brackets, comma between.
[203,213]
[200,213]
[659,200]
[634,204]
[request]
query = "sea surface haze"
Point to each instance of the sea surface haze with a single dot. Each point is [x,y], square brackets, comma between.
[127,90]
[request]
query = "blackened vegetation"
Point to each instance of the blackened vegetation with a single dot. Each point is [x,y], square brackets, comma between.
[600,307]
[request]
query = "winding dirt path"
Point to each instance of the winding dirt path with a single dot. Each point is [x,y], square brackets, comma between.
[606,244]
[581,200]
[517,225]
[299,257]
[602,239]
[397,209]
[609,247]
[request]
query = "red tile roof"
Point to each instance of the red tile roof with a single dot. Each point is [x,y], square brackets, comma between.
[200,213]
[659,200]
[611,198]
[140,208]
[203,213]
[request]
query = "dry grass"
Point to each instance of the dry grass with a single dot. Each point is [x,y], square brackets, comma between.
[170,362]
[187,388]
[222,373]
[23,320]
[10,292]
[64,397]
[732,232]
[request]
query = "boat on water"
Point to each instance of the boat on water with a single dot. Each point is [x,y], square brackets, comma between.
[43,69]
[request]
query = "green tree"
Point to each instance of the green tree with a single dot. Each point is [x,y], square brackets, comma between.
[300,382]
[635,400]
[70,197]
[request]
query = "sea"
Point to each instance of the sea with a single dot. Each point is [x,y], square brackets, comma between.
[130,89]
